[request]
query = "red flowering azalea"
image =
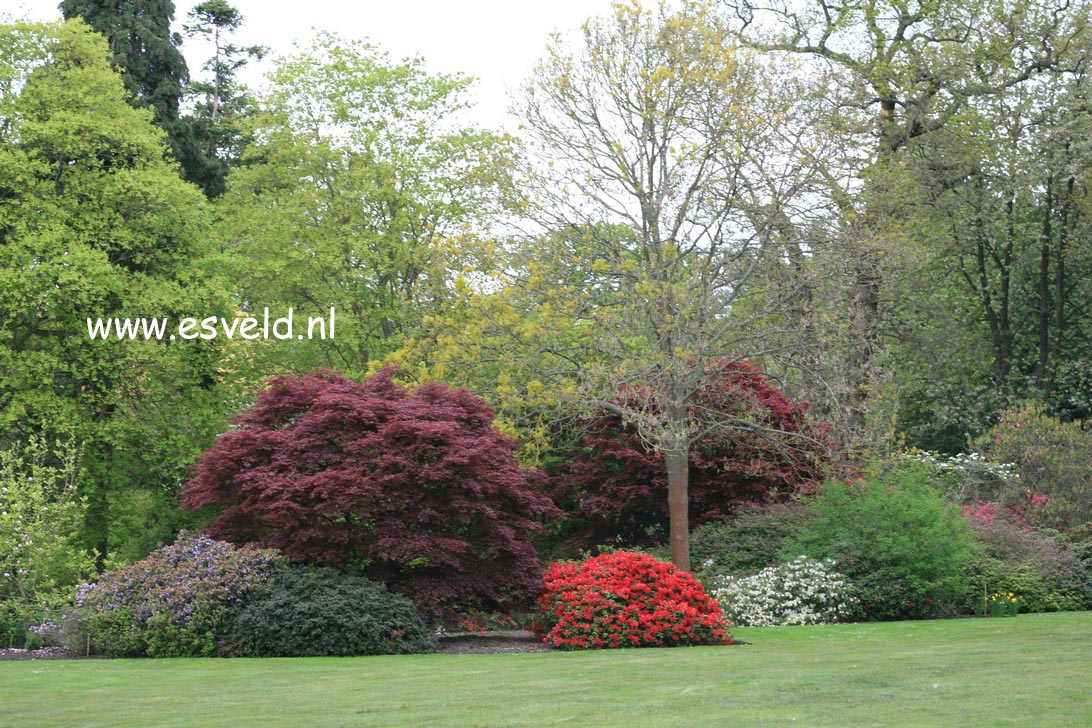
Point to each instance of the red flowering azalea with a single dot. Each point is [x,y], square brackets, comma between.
[626,599]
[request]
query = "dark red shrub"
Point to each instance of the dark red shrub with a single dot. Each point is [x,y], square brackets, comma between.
[625,599]
[416,487]
[615,488]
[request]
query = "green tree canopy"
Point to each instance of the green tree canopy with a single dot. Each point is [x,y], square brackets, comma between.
[146,51]
[95,222]
[356,194]
[221,102]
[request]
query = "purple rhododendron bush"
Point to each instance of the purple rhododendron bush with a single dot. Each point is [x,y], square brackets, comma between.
[415,487]
[177,601]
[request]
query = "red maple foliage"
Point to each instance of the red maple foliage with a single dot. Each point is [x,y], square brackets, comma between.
[625,599]
[414,486]
[615,487]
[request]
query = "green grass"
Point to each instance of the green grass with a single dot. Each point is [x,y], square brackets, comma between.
[1034,670]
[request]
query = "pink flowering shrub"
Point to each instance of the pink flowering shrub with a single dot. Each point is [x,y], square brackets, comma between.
[982,511]
[174,602]
[626,599]
[1053,463]
[1047,573]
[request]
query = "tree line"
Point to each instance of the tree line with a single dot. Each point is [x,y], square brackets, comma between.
[880,207]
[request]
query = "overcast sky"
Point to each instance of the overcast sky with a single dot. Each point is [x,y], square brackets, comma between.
[495,41]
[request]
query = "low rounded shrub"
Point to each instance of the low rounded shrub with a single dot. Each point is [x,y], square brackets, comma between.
[173,603]
[312,612]
[413,487]
[748,543]
[626,599]
[804,591]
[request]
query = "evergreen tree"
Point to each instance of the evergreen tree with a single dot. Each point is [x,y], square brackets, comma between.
[220,102]
[143,47]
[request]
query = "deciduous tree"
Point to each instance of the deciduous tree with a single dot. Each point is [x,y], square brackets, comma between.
[95,222]
[414,487]
[356,187]
[615,487]
[666,153]
[904,71]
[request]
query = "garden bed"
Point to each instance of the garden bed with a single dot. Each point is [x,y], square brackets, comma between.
[45,653]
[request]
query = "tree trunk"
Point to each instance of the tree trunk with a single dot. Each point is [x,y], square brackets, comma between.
[678,502]
[865,329]
[1045,302]
[1059,275]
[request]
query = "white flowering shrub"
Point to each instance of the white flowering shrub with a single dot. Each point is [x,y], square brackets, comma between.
[805,591]
[967,478]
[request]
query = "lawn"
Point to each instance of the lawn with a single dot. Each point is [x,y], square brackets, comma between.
[1034,670]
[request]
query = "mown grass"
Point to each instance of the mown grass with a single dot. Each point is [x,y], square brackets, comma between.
[1034,670]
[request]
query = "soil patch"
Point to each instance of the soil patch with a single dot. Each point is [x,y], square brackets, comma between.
[480,643]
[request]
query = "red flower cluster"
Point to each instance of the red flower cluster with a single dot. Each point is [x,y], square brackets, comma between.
[626,599]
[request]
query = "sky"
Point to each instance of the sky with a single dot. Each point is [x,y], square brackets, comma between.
[495,41]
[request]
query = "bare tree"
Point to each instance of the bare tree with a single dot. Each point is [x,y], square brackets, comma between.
[669,156]
[909,67]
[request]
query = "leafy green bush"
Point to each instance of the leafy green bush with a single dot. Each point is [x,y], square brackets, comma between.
[12,629]
[748,543]
[311,612]
[40,518]
[110,632]
[904,550]
[1080,540]
[1048,574]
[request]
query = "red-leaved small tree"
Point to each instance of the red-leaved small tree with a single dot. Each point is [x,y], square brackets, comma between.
[764,450]
[414,486]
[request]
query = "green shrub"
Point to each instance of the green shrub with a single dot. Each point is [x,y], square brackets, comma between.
[41,514]
[311,612]
[33,641]
[903,549]
[1080,539]
[111,633]
[12,627]
[747,544]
